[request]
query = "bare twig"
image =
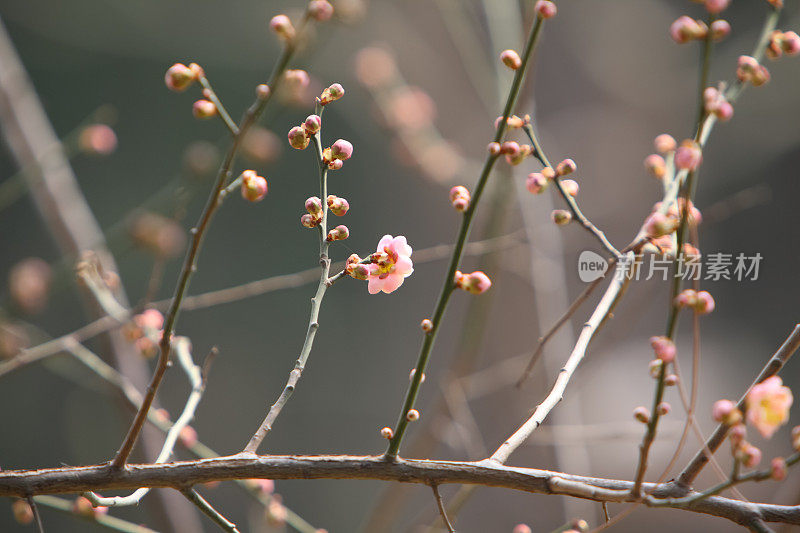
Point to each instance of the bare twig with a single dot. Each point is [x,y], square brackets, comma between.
[36,515]
[109,522]
[201,503]
[442,510]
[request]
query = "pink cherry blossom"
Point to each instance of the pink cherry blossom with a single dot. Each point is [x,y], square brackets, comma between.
[392,265]
[768,405]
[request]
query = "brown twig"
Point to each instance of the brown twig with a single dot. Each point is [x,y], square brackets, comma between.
[208,510]
[442,510]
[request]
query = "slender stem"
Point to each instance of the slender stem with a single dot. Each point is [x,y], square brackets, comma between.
[463,234]
[109,522]
[190,262]
[211,94]
[442,510]
[201,503]
[316,302]
[36,515]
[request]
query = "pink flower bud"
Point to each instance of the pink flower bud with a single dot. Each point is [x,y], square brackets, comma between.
[336,164]
[282,27]
[341,150]
[509,148]
[459,198]
[686,298]
[310,221]
[570,187]
[320,10]
[179,77]
[331,94]
[671,380]
[654,368]
[726,412]
[748,455]
[254,187]
[655,165]
[704,303]
[494,148]
[665,143]
[339,233]
[791,43]
[314,206]
[151,319]
[641,414]
[664,348]
[688,156]
[267,486]
[97,139]
[664,408]
[686,29]
[511,59]
[22,512]
[545,9]
[263,91]
[312,124]
[737,433]
[716,6]
[426,325]
[778,469]
[720,29]
[298,138]
[29,284]
[548,173]
[475,283]
[387,433]
[188,436]
[659,224]
[518,157]
[561,217]
[412,415]
[357,271]
[521,528]
[296,79]
[338,206]
[536,182]
[204,109]
[566,167]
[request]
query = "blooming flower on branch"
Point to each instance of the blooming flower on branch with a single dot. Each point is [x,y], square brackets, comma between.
[391,265]
[768,405]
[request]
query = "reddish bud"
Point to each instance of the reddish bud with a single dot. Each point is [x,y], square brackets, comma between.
[339,233]
[494,148]
[179,77]
[536,182]
[298,138]
[475,283]
[282,27]
[688,156]
[254,187]
[263,91]
[320,10]
[509,148]
[341,150]
[522,528]
[310,221]
[748,454]
[312,124]
[561,217]
[720,29]
[203,109]
[338,206]
[22,512]
[778,469]
[655,165]
[654,368]
[511,59]
[412,415]
[387,433]
[331,94]
[664,348]
[685,29]
[665,143]
[548,173]
[641,414]
[459,198]
[704,303]
[737,433]
[97,139]
[716,6]
[545,9]
[671,380]
[426,325]
[314,206]
[566,167]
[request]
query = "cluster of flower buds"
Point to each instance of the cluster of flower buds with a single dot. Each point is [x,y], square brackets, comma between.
[331,94]
[715,103]
[314,215]
[339,233]
[511,59]
[337,206]
[513,122]
[282,27]
[337,154]
[254,187]
[701,301]
[144,331]
[664,348]
[748,69]
[783,43]
[83,507]
[475,283]
[320,10]
[537,182]
[515,153]
[686,29]
[356,268]
[179,77]
[545,9]
[459,197]
[300,136]
[676,212]
[655,163]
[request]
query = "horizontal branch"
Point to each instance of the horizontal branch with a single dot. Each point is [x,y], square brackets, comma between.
[180,475]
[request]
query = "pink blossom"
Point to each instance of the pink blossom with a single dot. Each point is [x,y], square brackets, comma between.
[392,265]
[768,405]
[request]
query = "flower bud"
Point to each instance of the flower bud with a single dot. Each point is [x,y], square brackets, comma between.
[263,91]
[522,528]
[310,221]
[357,271]
[545,9]
[726,412]
[203,109]
[29,284]
[459,198]
[536,183]
[511,59]
[720,29]
[426,325]
[716,6]
[254,187]
[341,150]
[791,43]
[671,380]
[548,173]
[777,469]
[494,148]
[157,234]
[686,29]
[688,156]
[737,433]
[387,433]
[655,165]
[566,167]
[664,348]
[748,454]
[339,233]
[282,27]
[641,414]
[570,187]
[312,124]
[331,94]
[298,138]
[314,206]
[296,79]
[412,415]
[561,217]
[664,408]
[22,512]
[260,145]
[665,143]
[179,77]
[475,283]
[320,10]
[338,206]
[704,303]
[97,139]
[509,148]
[686,298]
[658,224]
[336,164]
[654,368]
[149,319]
[188,436]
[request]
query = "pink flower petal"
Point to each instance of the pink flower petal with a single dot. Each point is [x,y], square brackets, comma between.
[404,266]
[392,282]
[375,284]
[384,242]
[401,245]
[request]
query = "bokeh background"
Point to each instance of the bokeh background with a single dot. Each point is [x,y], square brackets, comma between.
[606,79]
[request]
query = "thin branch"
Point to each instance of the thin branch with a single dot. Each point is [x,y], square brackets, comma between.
[211,94]
[442,510]
[201,503]
[36,515]
[109,522]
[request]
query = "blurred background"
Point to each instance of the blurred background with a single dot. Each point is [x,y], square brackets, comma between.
[423,88]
